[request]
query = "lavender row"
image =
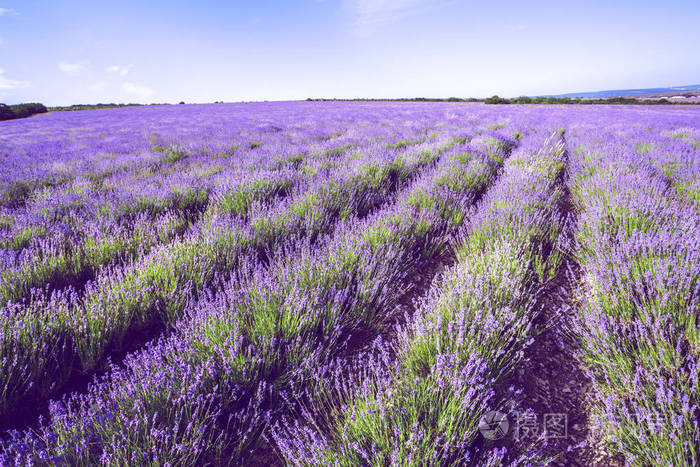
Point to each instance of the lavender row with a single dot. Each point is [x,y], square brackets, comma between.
[676,155]
[260,328]
[639,329]
[143,142]
[81,243]
[56,239]
[62,322]
[419,399]
[77,257]
[66,218]
[59,148]
[45,343]
[121,192]
[91,217]
[55,149]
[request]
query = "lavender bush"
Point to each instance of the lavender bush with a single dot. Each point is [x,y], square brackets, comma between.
[639,317]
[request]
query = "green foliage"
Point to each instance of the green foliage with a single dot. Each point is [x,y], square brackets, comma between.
[22,239]
[577,100]
[91,107]
[644,149]
[404,143]
[291,161]
[174,155]
[9,112]
[238,202]
[401,99]
[496,126]
[335,151]
[6,112]
[496,100]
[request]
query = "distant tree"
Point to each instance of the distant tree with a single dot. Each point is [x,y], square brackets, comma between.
[523,100]
[6,112]
[181,102]
[26,110]
[90,106]
[496,100]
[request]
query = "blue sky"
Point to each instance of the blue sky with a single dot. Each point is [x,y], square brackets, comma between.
[64,52]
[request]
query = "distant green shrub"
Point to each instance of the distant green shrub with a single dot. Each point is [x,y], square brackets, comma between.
[6,112]
[496,100]
[9,112]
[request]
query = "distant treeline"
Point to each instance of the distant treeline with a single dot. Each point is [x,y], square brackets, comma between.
[10,112]
[401,99]
[520,100]
[90,107]
[576,100]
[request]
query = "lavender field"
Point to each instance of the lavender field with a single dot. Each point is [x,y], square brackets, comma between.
[351,283]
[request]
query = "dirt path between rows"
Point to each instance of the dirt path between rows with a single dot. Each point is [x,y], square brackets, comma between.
[552,414]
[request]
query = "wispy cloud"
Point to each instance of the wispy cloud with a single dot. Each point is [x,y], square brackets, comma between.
[71,68]
[7,84]
[371,14]
[122,70]
[7,12]
[137,90]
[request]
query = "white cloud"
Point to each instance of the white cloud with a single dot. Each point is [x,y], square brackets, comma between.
[71,68]
[123,70]
[373,13]
[7,11]
[98,86]
[7,84]
[137,90]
